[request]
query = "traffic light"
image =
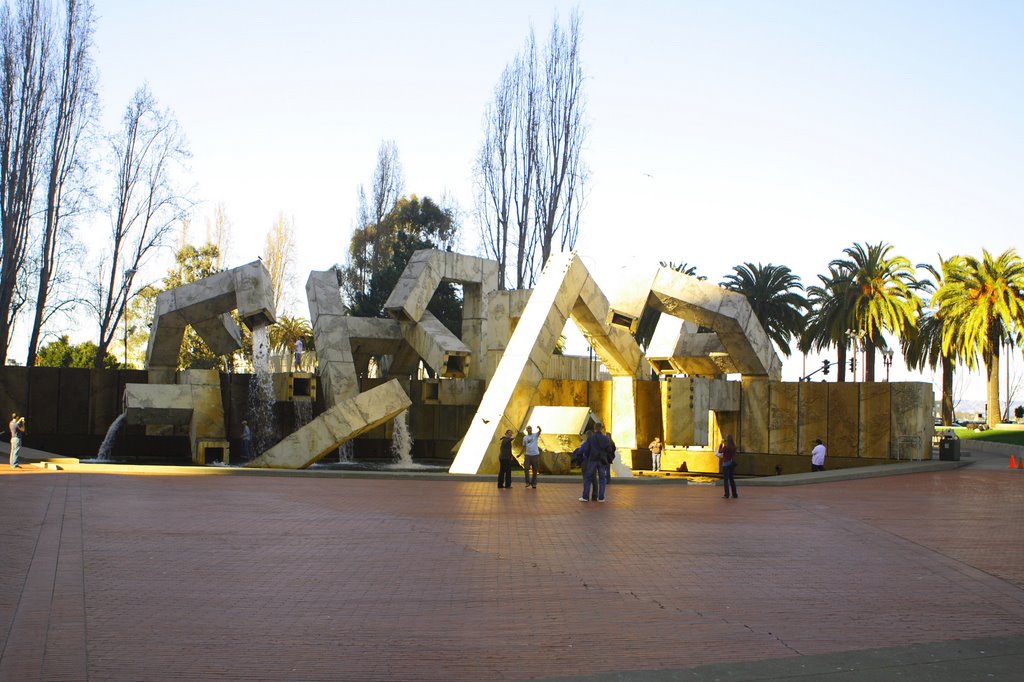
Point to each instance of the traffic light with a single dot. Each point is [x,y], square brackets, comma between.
[825,366]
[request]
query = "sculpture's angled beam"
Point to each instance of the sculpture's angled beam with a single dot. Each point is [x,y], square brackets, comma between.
[440,349]
[565,288]
[338,424]
[616,348]
[220,334]
[726,312]
[204,304]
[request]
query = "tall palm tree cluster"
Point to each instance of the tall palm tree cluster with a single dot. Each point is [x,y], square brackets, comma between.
[959,313]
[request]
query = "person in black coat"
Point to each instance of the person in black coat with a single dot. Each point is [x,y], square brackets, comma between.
[505,460]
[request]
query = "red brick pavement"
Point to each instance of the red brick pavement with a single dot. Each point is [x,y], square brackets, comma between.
[117,577]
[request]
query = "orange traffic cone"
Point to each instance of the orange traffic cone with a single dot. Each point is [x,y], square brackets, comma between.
[1013,462]
[1020,462]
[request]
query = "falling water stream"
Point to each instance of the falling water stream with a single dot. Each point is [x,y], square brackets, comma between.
[401,440]
[108,441]
[261,393]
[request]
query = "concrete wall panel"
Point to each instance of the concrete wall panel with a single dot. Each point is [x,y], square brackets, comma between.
[843,419]
[812,420]
[782,418]
[874,420]
[754,416]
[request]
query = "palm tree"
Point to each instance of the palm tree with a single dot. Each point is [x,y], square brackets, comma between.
[287,330]
[775,295]
[881,296]
[983,303]
[826,324]
[923,347]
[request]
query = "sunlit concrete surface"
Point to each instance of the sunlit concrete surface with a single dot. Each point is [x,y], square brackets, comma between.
[313,576]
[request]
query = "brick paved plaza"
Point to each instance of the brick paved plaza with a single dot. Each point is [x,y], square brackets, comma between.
[302,577]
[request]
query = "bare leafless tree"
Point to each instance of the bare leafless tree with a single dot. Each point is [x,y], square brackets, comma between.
[279,258]
[218,233]
[148,151]
[72,107]
[561,174]
[528,173]
[25,55]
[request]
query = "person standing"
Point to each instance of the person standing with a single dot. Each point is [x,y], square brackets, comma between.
[599,451]
[656,447]
[818,456]
[246,441]
[531,455]
[17,427]
[298,354]
[505,461]
[727,454]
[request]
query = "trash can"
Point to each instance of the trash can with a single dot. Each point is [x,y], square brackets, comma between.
[949,449]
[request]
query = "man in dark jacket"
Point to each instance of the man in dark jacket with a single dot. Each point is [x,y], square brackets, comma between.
[599,451]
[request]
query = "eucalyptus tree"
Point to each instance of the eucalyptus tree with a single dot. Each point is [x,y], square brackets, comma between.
[71,106]
[881,297]
[923,347]
[983,303]
[776,297]
[25,46]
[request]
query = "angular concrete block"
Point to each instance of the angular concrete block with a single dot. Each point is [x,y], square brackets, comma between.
[158,404]
[254,294]
[440,349]
[623,428]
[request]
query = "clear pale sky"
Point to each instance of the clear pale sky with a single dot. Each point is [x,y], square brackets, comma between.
[720,132]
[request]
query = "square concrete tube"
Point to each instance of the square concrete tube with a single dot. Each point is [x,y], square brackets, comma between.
[204,304]
[726,312]
[338,424]
[440,349]
[426,270]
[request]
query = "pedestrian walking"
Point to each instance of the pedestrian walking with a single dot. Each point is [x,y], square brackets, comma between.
[818,456]
[298,354]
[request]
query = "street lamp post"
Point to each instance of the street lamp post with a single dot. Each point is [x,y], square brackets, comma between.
[887,361]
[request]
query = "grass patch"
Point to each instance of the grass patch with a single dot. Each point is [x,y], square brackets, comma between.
[996,435]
